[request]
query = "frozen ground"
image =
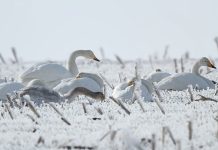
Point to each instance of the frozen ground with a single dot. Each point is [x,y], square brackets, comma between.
[130,132]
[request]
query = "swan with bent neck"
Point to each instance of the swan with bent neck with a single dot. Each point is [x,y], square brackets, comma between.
[182,81]
[52,73]
[125,91]
[38,93]
[89,81]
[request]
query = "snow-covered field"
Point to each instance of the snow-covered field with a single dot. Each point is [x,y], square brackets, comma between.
[89,130]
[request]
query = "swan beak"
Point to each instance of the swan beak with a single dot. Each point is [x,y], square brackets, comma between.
[96,59]
[211,65]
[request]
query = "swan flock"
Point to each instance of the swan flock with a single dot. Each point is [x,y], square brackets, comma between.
[56,83]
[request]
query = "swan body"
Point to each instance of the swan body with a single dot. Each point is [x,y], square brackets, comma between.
[52,73]
[38,91]
[125,91]
[89,81]
[181,81]
[157,76]
[9,88]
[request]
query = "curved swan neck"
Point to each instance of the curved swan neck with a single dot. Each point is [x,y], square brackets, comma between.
[83,91]
[72,67]
[96,78]
[196,68]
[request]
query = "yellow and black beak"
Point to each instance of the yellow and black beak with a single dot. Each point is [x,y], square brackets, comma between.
[96,59]
[211,65]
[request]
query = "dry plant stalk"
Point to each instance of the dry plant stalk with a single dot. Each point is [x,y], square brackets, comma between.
[10,101]
[166,51]
[120,104]
[120,78]
[157,93]
[159,105]
[139,102]
[216,119]
[176,66]
[136,71]
[102,53]
[163,135]
[203,98]
[14,54]
[178,143]
[62,117]
[65,120]
[153,144]
[31,117]
[216,41]
[2,59]
[41,140]
[113,134]
[191,95]
[84,108]
[104,136]
[151,62]
[55,108]
[120,61]
[99,111]
[32,108]
[9,111]
[171,135]
[111,86]
[190,130]
[182,65]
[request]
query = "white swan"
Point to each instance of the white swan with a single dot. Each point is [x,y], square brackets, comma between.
[38,93]
[181,81]
[125,91]
[9,88]
[157,76]
[52,73]
[89,81]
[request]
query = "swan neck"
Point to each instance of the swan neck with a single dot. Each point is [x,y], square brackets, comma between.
[96,79]
[196,68]
[72,66]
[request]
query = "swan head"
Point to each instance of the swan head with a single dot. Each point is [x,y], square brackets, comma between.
[132,82]
[100,96]
[90,55]
[81,75]
[204,61]
[158,70]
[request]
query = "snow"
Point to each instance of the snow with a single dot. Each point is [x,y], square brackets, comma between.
[128,132]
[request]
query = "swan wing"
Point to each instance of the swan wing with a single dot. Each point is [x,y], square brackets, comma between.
[157,76]
[46,72]
[123,92]
[181,81]
[70,84]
